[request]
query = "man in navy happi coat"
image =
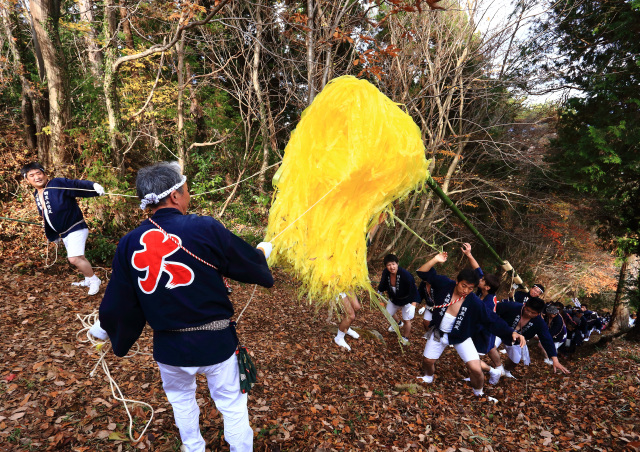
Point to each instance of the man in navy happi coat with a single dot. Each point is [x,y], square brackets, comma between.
[402,291]
[63,220]
[184,301]
[526,319]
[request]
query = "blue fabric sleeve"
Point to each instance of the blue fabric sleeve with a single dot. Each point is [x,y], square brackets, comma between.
[545,337]
[245,263]
[83,184]
[433,278]
[384,281]
[415,296]
[492,322]
[121,314]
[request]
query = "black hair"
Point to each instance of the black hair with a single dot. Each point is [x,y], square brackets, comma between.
[390,258]
[493,282]
[536,304]
[469,276]
[30,167]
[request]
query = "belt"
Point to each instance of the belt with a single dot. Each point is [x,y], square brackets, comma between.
[216,325]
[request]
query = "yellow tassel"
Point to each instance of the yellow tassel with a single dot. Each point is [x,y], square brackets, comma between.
[353,153]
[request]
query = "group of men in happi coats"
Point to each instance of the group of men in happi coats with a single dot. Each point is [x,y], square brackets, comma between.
[465,314]
[169,271]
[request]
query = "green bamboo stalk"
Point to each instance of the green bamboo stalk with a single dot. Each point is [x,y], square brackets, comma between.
[438,191]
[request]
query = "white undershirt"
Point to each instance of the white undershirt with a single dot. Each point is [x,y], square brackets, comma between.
[447,323]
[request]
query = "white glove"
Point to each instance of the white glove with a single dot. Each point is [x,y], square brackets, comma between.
[266,248]
[98,188]
[97,331]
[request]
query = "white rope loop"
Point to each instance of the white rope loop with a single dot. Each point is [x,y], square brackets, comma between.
[102,347]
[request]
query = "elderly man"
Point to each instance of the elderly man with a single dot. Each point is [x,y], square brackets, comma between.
[57,205]
[169,272]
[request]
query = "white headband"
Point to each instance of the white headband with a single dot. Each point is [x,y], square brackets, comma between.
[152,198]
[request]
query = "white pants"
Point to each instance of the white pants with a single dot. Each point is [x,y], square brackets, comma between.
[466,350]
[179,384]
[75,242]
[516,353]
[408,310]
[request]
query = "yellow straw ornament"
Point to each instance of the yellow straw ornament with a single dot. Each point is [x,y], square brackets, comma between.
[353,153]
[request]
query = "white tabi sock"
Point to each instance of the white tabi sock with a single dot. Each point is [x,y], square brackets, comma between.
[426,378]
[478,392]
[340,335]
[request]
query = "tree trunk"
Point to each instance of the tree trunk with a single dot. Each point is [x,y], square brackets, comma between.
[182,158]
[310,42]
[255,67]
[46,14]
[27,91]
[95,54]
[153,126]
[195,110]
[126,26]
[620,316]
[110,88]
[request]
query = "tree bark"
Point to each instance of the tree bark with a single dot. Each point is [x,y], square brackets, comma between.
[310,42]
[27,91]
[620,316]
[94,52]
[181,151]
[195,110]
[126,26]
[255,71]
[110,88]
[46,15]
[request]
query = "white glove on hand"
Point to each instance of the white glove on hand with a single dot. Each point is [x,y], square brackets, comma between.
[266,248]
[98,188]
[97,331]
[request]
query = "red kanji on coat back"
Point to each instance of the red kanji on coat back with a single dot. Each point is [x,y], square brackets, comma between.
[152,260]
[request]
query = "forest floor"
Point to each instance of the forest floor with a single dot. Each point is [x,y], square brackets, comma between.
[311,394]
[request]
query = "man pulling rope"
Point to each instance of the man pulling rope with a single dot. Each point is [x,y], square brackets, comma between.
[185,302]
[63,218]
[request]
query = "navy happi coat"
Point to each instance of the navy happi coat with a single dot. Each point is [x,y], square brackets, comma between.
[511,312]
[63,215]
[156,282]
[406,290]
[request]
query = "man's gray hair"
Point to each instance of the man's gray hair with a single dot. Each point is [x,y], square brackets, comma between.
[158,178]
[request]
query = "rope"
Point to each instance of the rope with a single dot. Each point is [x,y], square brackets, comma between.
[239,182]
[102,347]
[255,286]
[438,249]
[90,189]
[21,221]
[46,259]
[448,304]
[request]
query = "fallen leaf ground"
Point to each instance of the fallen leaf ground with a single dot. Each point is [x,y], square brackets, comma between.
[311,394]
